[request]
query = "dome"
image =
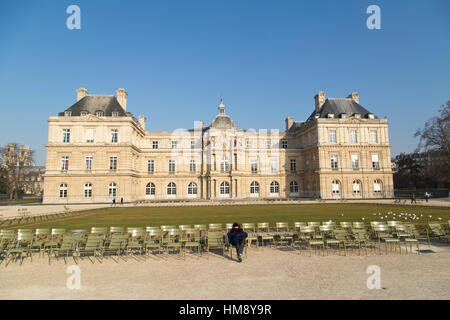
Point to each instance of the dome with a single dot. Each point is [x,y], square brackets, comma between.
[222,120]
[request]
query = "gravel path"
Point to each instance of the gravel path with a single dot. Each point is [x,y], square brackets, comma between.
[267,274]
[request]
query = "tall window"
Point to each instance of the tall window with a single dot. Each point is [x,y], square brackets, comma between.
[284,144]
[155,144]
[151,166]
[224,164]
[112,162]
[334,161]
[377,186]
[375,162]
[335,186]
[353,136]
[274,187]
[332,134]
[171,166]
[192,144]
[64,163]
[88,163]
[171,188]
[254,166]
[192,166]
[293,187]
[112,189]
[224,188]
[114,135]
[150,189]
[355,161]
[267,144]
[274,166]
[254,187]
[248,144]
[66,135]
[63,190]
[293,165]
[373,136]
[88,190]
[89,135]
[356,186]
[192,188]
[174,144]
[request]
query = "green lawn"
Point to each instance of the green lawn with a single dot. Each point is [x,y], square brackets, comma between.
[155,216]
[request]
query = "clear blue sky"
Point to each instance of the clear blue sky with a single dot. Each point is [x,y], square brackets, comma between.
[267,58]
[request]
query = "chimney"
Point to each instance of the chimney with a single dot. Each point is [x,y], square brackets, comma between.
[289,122]
[354,96]
[198,124]
[319,99]
[121,95]
[81,93]
[142,121]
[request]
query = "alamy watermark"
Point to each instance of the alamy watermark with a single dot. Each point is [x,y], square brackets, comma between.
[74,20]
[374,280]
[374,20]
[74,280]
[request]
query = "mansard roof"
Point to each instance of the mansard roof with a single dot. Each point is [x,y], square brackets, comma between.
[338,107]
[93,103]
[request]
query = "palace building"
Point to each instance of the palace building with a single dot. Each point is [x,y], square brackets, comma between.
[97,151]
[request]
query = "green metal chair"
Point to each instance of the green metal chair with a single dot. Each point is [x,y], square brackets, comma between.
[173,242]
[191,240]
[153,241]
[309,235]
[215,227]
[384,234]
[116,246]
[215,241]
[93,245]
[69,245]
[22,247]
[264,227]
[252,236]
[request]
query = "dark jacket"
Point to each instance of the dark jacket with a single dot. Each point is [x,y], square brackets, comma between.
[237,236]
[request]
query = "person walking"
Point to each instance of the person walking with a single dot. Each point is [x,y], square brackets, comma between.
[427,196]
[113,202]
[121,201]
[413,198]
[237,239]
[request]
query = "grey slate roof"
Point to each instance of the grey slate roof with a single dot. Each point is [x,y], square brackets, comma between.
[338,106]
[93,103]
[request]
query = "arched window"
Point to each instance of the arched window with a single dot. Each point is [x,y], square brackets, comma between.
[150,189]
[274,187]
[171,188]
[88,190]
[293,187]
[335,186]
[112,189]
[254,187]
[63,190]
[377,186]
[224,164]
[224,188]
[356,186]
[192,188]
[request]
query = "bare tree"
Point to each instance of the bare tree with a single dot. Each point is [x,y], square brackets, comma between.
[15,164]
[435,135]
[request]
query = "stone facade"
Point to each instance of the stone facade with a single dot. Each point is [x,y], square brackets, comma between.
[97,151]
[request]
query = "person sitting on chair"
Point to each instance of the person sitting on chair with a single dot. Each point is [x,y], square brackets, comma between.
[237,238]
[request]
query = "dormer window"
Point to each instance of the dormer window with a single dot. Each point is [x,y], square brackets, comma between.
[99,113]
[68,113]
[115,113]
[371,116]
[83,113]
[330,115]
[317,116]
[357,115]
[343,116]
